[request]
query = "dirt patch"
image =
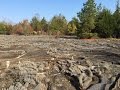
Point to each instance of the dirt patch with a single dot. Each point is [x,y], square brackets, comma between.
[48,63]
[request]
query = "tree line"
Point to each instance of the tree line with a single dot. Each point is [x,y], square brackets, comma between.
[93,21]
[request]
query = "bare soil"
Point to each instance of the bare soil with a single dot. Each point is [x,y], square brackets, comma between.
[57,58]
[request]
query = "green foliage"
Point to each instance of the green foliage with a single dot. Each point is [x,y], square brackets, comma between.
[44,25]
[58,24]
[92,21]
[116,16]
[9,29]
[99,9]
[39,26]
[87,17]
[86,35]
[35,23]
[105,24]
[2,28]
[73,26]
[5,28]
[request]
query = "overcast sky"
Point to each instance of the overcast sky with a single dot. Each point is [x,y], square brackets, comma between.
[17,10]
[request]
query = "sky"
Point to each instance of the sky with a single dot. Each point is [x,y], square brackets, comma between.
[17,10]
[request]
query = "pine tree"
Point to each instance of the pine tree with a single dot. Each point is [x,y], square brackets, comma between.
[99,11]
[87,19]
[99,8]
[58,25]
[105,24]
[35,23]
[116,16]
[44,25]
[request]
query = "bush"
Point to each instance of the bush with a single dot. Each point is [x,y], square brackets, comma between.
[88,35]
